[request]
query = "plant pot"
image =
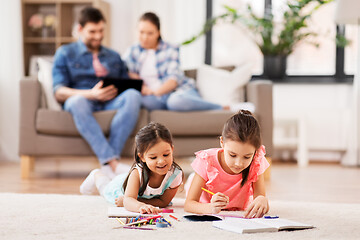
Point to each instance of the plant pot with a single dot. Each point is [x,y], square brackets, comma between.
[275,66]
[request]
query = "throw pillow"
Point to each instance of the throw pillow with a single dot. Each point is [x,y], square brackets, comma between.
[222,86]
[45,77]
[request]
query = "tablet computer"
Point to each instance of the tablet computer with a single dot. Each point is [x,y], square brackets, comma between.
[123,84]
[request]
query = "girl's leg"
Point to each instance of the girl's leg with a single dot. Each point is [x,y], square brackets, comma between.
[189,100]
[101,181]
[88,186]
[95,180]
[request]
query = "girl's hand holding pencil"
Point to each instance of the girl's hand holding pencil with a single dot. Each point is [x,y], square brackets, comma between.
[218,201]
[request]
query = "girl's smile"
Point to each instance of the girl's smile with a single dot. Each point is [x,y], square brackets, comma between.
[159,157]
[162,166]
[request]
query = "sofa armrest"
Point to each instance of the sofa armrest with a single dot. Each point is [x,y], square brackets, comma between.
[259,93]
[30,100]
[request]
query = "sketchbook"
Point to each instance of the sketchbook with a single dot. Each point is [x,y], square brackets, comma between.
[121,212]
[254,225]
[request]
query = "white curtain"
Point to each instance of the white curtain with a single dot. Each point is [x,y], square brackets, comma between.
[11,70]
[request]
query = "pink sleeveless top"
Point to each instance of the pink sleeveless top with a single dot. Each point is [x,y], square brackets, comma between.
[207,166]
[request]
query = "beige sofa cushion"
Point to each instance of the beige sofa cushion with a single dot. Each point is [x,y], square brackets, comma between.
[61,122]
[199,123]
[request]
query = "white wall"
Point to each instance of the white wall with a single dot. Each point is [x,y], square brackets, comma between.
[11,70]
[326,111]
[180,19]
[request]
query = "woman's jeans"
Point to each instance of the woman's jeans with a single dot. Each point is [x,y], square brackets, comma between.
[180,100]
[127,105]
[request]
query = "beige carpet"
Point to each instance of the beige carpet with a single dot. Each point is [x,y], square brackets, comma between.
[50,216]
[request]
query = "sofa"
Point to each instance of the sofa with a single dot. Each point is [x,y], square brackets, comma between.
[52,133]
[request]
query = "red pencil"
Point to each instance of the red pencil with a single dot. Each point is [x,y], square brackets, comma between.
[174,217]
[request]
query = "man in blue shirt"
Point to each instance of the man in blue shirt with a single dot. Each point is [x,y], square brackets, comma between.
[77,73]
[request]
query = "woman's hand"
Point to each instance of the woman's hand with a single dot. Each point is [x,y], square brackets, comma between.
[119,201]
[218,201]
[147,208]
[146,91]
[258,208]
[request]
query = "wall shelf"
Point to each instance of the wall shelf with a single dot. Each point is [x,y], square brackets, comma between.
[48,24]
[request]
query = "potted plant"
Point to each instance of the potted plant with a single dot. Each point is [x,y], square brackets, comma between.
[276,40]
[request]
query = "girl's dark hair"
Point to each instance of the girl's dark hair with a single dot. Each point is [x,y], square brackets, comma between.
[153,18]
[243,127]
[90,14]
[146,138]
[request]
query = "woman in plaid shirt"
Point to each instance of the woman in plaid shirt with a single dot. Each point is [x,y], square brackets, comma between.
[157,63]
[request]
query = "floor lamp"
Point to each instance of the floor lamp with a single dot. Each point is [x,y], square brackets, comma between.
[348,12]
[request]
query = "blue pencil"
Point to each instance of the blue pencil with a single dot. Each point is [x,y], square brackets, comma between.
[168,222]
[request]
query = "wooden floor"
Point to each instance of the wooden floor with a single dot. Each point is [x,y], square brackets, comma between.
[321,182]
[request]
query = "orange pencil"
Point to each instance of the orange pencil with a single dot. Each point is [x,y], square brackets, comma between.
[174,217]
[204,189]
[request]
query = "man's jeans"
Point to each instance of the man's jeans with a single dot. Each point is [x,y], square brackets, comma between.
[127,105]
[181,101]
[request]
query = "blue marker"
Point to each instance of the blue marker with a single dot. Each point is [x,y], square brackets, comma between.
[271,217]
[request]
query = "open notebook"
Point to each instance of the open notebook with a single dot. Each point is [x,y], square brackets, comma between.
[242,225]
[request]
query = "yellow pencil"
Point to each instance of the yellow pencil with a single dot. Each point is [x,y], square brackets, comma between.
[204,189]
[122,223]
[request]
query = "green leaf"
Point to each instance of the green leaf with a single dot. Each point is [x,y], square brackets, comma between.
[342,41]
[293,29]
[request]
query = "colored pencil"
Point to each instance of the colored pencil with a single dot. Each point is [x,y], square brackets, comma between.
[140,228]
[204,189]
[137,222]
[122,223]
[153,217]
[174,217]
[167,221]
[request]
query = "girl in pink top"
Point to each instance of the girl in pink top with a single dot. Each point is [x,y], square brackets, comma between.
[233,172]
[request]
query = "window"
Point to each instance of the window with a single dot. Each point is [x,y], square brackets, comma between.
[232,44]
[306,58]
[351,50]
[306,63]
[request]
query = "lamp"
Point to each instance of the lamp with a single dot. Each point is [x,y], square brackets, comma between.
[348,12]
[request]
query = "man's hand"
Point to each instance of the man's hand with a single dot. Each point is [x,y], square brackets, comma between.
[258,208]
[218,201]
[103,94]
